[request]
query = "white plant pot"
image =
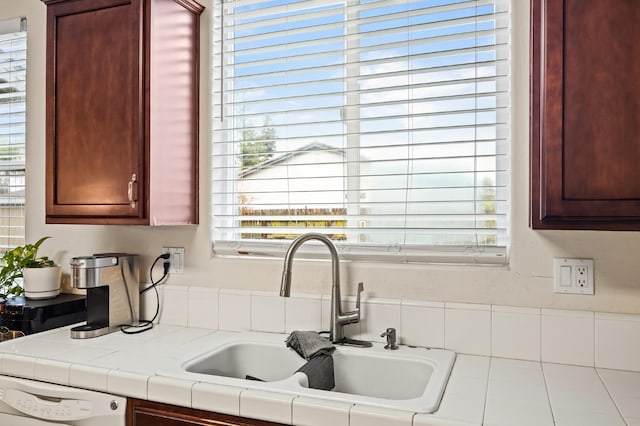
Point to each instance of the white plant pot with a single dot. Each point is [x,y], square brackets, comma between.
[41,283]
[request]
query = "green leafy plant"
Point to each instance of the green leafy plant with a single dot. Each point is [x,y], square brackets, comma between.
[14,261]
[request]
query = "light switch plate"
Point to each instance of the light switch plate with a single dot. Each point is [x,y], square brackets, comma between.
[573,276]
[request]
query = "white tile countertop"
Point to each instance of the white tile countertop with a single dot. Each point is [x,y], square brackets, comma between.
[481,390]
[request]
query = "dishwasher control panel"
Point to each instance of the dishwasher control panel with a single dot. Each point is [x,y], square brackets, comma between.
[57,405]
[47,408]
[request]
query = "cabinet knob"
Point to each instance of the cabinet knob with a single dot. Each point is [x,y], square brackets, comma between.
[132,200]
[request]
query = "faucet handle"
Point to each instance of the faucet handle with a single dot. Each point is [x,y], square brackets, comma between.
[360,290]
[353,317]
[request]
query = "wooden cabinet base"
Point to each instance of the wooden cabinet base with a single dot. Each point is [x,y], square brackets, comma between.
[147,413]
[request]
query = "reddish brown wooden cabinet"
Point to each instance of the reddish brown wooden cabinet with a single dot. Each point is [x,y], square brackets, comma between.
[147,413]
[122,111]
[585,114]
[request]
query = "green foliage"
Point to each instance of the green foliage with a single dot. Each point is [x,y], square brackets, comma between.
[257,148]
[256,152]
[14,261]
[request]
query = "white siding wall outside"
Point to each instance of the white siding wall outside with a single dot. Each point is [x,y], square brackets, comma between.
[301,170]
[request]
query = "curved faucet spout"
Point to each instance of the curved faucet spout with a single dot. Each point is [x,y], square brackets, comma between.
[285,286]
[338,318]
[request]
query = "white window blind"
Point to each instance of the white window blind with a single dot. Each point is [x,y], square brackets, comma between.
[13,69]
[382,123]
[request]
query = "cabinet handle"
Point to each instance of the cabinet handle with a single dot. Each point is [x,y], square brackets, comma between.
[132,201]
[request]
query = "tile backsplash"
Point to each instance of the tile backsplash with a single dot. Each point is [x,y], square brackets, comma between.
[550,335]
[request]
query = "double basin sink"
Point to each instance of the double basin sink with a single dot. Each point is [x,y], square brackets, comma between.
[410,378]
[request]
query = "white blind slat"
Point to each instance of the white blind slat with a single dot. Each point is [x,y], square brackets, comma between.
[384,124]
[13,68]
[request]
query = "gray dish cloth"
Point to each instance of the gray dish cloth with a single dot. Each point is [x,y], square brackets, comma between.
[309,344]
[319,372]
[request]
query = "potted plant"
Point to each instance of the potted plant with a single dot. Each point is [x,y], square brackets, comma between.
[10,284]
[40,275]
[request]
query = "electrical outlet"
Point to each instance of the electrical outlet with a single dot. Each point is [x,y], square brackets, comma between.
[573,276]
[176,259]
[582,272]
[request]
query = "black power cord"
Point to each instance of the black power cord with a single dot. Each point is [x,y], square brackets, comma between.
[145,325]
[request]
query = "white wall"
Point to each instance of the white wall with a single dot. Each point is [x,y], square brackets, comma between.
[526,282]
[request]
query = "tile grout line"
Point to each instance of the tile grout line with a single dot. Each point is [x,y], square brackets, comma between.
[491,330]
[540,338]
[444,326]
[615,403]
[486,391]
[546,387]
[594,340]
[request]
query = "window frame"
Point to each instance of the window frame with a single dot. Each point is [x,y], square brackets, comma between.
[497,255]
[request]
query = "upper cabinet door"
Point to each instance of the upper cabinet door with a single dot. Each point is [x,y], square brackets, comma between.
[122,111]
[95,109]
[585,114]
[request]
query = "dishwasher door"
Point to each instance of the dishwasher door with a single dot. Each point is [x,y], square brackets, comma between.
[31,403]
[11,420]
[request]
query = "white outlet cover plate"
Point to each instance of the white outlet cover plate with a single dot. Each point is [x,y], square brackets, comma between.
[177,259]
[573,276]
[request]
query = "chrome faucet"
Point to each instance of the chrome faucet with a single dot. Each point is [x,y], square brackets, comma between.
[338,318]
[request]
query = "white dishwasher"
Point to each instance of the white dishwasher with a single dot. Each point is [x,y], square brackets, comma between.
[31,403]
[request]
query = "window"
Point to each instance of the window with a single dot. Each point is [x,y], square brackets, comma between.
[382,123]
[13,69]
